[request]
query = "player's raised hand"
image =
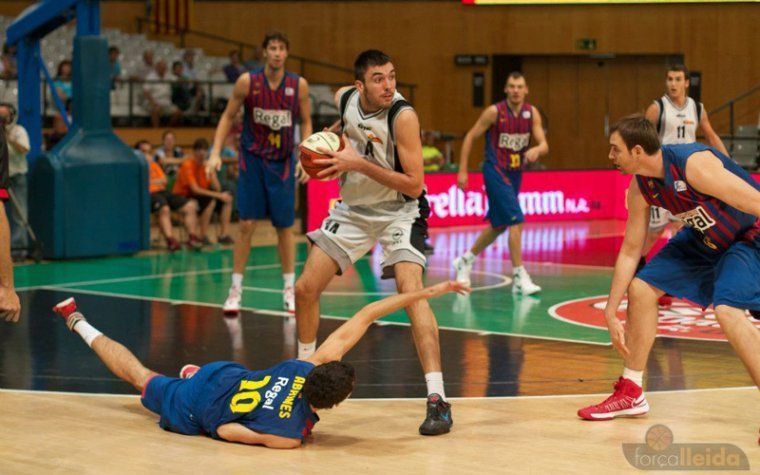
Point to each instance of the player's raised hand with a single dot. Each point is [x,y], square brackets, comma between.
[462,179]
[617,334]
[213,164]
[340,161]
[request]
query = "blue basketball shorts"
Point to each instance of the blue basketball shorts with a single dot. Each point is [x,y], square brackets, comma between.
[687,268]
[266,189]
[502,188]
[177,400]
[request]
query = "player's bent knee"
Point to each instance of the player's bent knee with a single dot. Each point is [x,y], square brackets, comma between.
[306,290]
[638,290]
[725,313]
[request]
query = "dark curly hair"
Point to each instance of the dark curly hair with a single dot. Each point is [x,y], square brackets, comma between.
[329,384]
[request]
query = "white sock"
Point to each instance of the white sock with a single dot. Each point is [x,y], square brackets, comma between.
[289,279]
[435,384]
[518,269]
[468,257]
[237,280]
[306,349]
[87,332]
[635,376]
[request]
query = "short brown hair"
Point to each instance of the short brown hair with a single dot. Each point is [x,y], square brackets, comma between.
[679,68]
[515,75]
[275,35]
[635,130]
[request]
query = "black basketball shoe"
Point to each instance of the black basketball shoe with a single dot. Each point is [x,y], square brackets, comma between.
[438,420]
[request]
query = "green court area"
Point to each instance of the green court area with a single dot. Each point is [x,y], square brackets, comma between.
[203,278]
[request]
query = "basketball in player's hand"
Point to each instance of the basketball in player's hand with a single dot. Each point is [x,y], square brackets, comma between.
[309,151]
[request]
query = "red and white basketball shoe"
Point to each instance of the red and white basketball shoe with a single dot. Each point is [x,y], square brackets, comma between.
[188,371]
[68,310]
[627,401]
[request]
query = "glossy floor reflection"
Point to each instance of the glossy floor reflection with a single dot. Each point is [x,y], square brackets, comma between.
[40,353]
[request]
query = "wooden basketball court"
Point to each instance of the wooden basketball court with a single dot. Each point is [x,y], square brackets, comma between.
[516,368]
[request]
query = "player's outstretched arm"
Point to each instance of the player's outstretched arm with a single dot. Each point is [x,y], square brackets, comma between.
[348,334]
[485,121]
[234,432]
[706,173]
[625,265]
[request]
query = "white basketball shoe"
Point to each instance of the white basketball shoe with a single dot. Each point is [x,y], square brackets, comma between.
[289,299]
[523,284]
[232,304]
[463,267]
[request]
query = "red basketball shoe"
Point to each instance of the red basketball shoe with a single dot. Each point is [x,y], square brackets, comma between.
[68,310]
[627,401]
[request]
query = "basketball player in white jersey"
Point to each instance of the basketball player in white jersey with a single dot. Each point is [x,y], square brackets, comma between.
[383,200]
[677,118]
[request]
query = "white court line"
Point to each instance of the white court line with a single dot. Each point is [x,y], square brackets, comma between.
[283,313]
[117,280]
[472,398]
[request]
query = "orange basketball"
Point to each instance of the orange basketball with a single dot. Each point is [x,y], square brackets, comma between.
[308,151]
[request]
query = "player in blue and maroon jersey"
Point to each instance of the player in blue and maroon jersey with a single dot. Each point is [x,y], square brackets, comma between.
[509,125]
[275,407]
[714,260]
[274,99]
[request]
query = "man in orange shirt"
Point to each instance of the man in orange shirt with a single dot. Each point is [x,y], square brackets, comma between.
[162,202]
[192,182]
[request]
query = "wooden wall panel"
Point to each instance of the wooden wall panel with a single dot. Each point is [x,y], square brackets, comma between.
[423,36]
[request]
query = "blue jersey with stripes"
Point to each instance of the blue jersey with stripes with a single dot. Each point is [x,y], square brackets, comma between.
[270,115]
[508,138]
[717,223]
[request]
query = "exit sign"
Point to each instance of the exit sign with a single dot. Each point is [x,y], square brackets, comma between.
[586,44]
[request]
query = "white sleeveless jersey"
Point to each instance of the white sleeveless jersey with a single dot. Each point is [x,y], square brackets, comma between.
[371,135]
[678,125]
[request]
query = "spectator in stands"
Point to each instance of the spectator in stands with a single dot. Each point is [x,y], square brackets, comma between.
[18,146]
[158,96]
[62,81]
[163,202]
[254,62]
[169,155]
[192,182]
[431,156]
[190,72]
[188,62]
[8,69]
[182,89]
[63,88]
[186,95]
[113,60]
[145,68]
[235,68]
